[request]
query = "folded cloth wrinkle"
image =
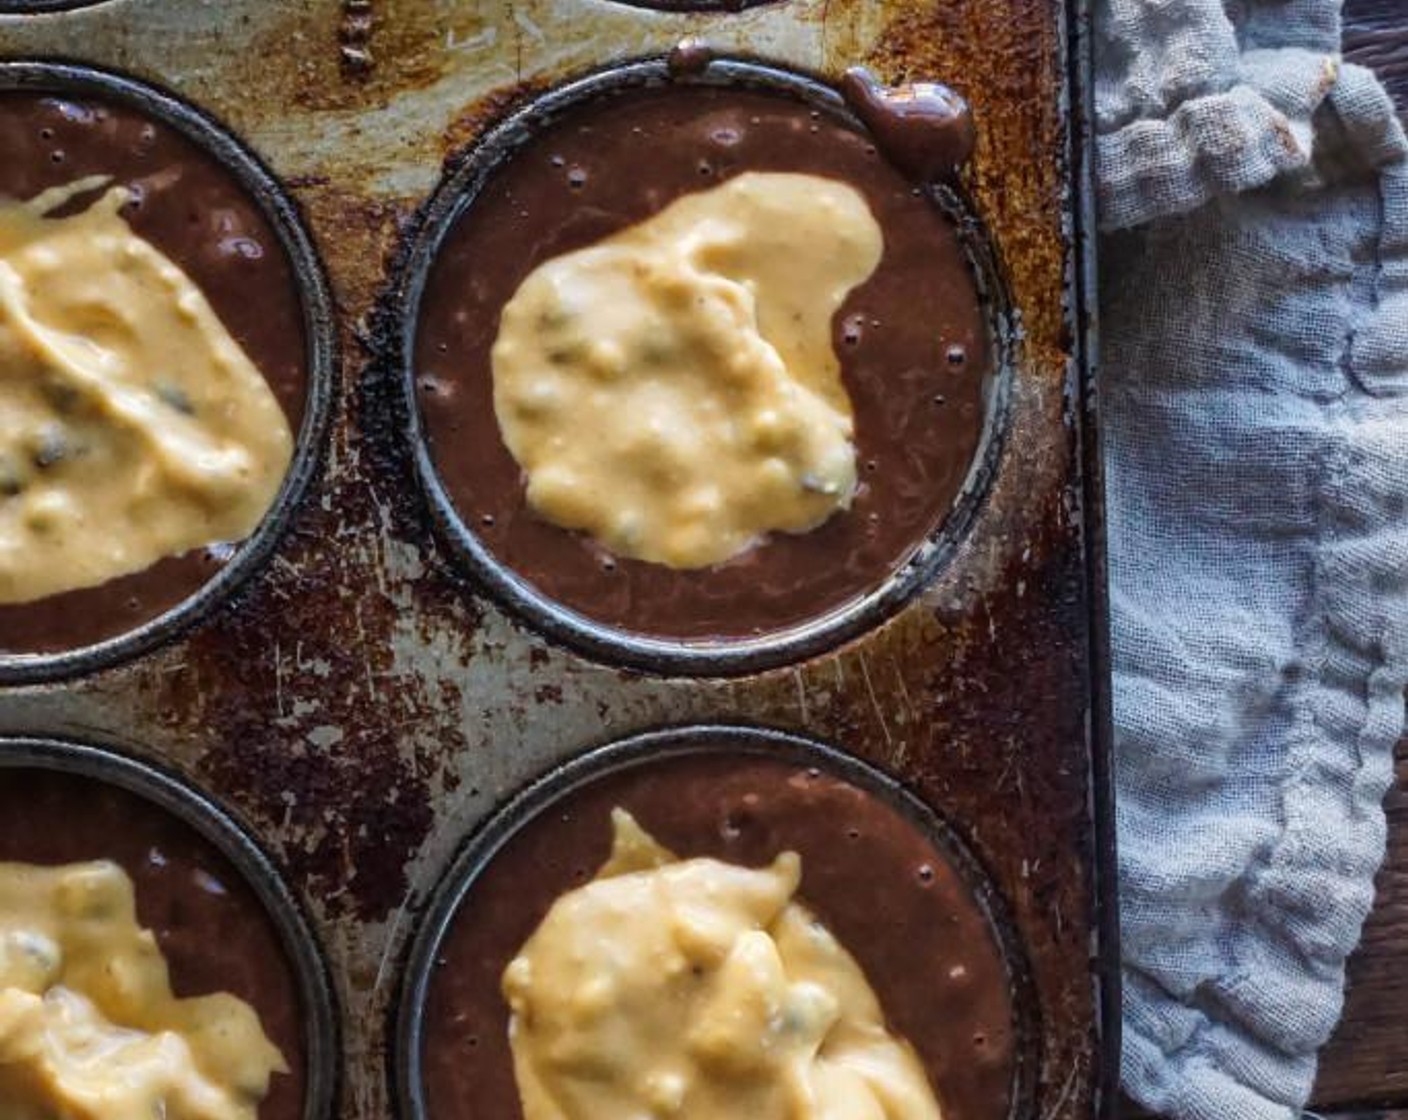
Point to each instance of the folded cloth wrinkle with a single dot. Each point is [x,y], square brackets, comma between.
[1254,333]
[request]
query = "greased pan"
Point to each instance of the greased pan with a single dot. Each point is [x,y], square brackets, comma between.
[365,701]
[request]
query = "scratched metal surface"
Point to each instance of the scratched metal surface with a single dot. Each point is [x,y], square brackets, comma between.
[363,709]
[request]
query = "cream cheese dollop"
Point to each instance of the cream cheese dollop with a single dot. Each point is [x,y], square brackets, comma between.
[673,390]
[700,990]
[132,426]
[89,1027]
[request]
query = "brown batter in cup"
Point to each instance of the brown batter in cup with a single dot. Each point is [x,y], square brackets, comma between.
[192,209]
[913,342]
[895,901]
[212,929]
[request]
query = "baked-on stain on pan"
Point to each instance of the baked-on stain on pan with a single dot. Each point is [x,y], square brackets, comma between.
[923,345]
[223,918]
[209,204]
[938,950]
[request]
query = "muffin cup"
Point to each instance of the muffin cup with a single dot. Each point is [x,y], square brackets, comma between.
[259,184]
[640,753]
[173,796]
[458,192]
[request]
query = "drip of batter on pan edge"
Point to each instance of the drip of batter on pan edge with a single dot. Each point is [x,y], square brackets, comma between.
[689,58]
[89,1027]
[673,390]
[132,426]
[699,990]
[923,128]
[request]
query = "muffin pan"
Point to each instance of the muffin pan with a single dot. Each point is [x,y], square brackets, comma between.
[384,703]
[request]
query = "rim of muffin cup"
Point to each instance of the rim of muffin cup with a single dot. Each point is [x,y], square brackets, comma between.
[720,7]
[536,799]
[41,7]
[171,794]
[260,185]
[457,192]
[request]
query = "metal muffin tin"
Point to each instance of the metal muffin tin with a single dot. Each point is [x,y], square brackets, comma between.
[321,361]
[457,193]
[542,796]
[364,703]
[170,794]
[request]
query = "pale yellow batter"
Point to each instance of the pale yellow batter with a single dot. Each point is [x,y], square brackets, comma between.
[89,1028]
[673,390]
[699,990]
[132,426]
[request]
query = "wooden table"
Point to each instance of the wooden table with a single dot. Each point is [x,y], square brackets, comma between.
[1365,1067]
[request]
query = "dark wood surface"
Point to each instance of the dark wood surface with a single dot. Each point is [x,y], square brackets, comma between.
[1376,35]
[1372,1114]
[1365,1067]
[1366,1062]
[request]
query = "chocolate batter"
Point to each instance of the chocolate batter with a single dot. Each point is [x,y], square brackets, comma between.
[194,211]
[212,929]
[890,898]
[924,128]
[913,344]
